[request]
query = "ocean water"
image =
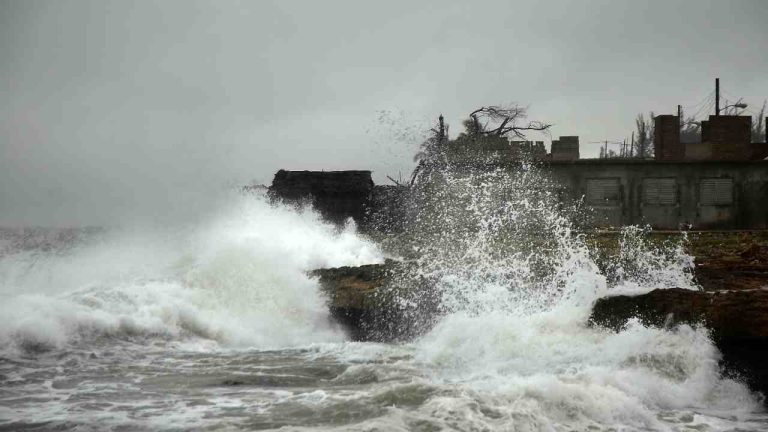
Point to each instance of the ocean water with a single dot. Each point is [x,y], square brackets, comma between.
[217,326]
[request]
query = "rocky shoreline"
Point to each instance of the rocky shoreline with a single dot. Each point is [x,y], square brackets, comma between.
[733,303]
[737,321]
[368,301]
[352,296]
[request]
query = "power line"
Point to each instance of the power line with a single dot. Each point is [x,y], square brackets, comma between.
[706,99]
[706,108]
[705,105]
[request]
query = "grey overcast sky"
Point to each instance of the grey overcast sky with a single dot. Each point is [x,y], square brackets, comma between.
[128,109]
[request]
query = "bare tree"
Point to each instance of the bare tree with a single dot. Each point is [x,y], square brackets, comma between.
[690,129]
[484,125]
[608,154]
[644,135]
[431,152]
[501,121]
[759,126]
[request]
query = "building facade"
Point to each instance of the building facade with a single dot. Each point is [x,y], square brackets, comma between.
[668,194]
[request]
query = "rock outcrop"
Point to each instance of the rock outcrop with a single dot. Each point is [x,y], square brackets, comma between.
[726,275]
[352,294]
[737,320]
[732,316]
[385,303]
[378,302]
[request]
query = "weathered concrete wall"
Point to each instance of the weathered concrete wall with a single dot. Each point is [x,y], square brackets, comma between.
[707,195]
[664,194]
[337,195]
[698,151]
[494,149]
[565,149]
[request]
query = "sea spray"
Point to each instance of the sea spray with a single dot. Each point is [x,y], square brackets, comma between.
[238,279]
[499,337]
[489,239]
[512,282]
[641,264]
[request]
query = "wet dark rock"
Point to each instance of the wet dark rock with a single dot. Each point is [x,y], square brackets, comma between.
[753,251]
[732,316]
[375,303]
[378,302]
[718,275]
[737,320]
[353,295]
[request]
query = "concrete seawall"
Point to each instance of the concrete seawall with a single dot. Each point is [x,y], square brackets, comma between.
[665,195]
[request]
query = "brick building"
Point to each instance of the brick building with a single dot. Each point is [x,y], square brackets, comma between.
[723,138]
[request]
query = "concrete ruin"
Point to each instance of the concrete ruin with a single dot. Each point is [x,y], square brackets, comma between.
[668,194]
[723,138]
[336,195]
[718,183]
[618,192]
[565,149]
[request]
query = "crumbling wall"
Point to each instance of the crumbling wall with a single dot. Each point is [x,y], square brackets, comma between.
[666,138]
[565,149]
[336,195]
[730,136]
[666,195]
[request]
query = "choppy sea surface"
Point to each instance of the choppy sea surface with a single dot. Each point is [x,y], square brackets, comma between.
[218,327]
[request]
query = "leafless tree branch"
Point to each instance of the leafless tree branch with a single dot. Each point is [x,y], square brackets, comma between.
[397,183]
[505,120]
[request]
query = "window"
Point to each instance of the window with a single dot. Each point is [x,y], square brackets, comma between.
[603,191]
[716,191]
[659,191]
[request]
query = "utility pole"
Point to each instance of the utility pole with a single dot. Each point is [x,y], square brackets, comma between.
[441,131]
[632,147]
[717,96]
[680,117]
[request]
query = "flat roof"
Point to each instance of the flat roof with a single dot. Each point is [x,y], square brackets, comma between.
[618,161]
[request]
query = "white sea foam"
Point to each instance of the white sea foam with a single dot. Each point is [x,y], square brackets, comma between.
[551,370]
[641,265]
[515,341]
[511,349]
[238,279]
